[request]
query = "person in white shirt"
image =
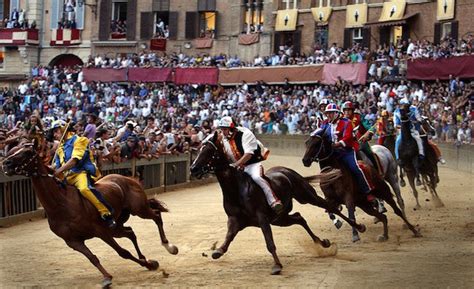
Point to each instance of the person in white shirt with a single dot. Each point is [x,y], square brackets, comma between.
[245,152]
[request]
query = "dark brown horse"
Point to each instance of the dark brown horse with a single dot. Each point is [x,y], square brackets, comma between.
[245,203]
[75,219]
[345,190]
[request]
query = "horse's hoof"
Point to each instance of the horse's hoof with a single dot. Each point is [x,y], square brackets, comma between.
[355,238]
[172,249]
[153,265]
[326,243]
[362,228]
[418,183]
[382,238]
[338,224]
[107,282]
[402,183]
[217,254]
[276,269]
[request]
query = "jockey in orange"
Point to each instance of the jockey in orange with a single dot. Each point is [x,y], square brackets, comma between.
[363,132]
[385,127]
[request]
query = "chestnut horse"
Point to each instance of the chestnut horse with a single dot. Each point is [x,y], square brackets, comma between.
[345,190]
[75,219]
[245,203]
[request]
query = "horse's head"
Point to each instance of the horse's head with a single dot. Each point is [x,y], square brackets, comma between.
[209,157]
[404,112]
[427,126]
[22,160]
[318,147]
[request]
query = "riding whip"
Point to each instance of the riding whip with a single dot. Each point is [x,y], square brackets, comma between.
[61,140]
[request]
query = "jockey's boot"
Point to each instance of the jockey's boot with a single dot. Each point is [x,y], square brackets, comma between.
[277,207]
[109,221]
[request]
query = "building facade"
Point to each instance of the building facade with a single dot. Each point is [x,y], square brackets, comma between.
[69,31]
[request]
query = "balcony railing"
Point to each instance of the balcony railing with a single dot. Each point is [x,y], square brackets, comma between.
[18,37]
[65,37]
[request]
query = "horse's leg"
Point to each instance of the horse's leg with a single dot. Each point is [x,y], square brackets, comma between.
[411,180]
[335,220]
[432,186]
[389,199]
[367,207]
[149,264]
[233,227]
[392,179]
[402,180]
[416,164]
[267,233]
[351,212]
[296,218]
[78,245]
[127,232]
[155,215]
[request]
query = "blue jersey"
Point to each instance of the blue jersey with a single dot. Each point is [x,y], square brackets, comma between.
[414,117]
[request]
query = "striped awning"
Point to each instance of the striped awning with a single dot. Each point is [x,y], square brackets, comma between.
[391,23]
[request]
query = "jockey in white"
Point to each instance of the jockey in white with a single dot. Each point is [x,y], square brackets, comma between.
[244,151]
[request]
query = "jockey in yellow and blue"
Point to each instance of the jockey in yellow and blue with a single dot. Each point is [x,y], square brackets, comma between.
[75,161]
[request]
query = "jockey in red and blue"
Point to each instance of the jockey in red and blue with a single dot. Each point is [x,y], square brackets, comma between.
[340,131]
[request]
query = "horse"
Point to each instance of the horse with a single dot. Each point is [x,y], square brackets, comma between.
[75,219]
[389,138]
[389,168]
[411,164]
[245,203]
[346,191]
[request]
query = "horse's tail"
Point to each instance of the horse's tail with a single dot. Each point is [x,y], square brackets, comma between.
[157,205]
[327,176]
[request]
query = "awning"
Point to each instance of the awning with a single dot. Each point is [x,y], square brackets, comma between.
[391,23]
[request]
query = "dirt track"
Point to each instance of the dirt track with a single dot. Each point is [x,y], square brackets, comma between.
[31,255]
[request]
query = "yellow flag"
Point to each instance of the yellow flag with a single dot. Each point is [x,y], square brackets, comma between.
[321,14]
[393,10]
[445,9]
[356,15]
[286,20]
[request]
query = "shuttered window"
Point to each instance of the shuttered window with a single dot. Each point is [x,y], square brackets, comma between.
[132,19]
[347,38]
[437,33]
[104,20]
[206,5]
[191,30]
[366,37]
[80,16]
[56,13]
[173,25]
[455,30]
[146,25]
[161,5]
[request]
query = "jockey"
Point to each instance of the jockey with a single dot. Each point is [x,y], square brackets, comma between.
[244,151]
[75,161]
[385,126]
[320,117]
[362,132]
[415,118]
[425,133]
[341,132]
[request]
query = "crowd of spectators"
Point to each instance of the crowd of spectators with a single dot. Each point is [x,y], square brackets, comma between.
[17,19]
[118,26]
[151,119]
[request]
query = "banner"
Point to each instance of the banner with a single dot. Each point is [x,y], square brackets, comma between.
[249,39]
[321,14]
[356,15]
[393,10]
[149,74]
[271,75]
[203,42]
[104,74]
[445,9]
[356,73]
[65,37]
[428,69]
[196,76]
[286,20]
[158,44]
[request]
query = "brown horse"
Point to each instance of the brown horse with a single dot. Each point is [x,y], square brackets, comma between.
[345,190]
[245,203]
[75,219]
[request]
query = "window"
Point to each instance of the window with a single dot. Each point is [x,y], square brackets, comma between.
[288,4]
[161,20]
[321,36]
[207,24]
[446,30]
[118,24]
[357,35]
[253,16]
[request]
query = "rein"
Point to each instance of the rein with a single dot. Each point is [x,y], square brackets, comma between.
[316,156]
[20,170]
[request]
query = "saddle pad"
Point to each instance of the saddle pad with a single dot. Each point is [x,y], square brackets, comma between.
[367,173]
[379,164]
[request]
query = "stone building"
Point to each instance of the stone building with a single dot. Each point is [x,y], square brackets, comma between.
[68,31]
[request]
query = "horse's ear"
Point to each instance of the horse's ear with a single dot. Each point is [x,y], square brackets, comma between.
[214,137]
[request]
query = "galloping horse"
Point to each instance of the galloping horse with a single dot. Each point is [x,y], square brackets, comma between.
[390,137]
[346,191]
[389,170]
[245,203]
[75,219]
[411,164]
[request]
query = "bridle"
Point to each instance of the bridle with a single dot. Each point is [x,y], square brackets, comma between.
[32,162]
[316,158]
[215,158]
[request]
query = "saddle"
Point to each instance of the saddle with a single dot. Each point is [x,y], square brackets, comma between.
[367,171]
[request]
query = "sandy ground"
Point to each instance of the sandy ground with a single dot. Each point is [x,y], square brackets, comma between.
[32,256]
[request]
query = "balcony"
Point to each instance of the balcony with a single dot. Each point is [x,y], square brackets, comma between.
[65,37]
[18,37]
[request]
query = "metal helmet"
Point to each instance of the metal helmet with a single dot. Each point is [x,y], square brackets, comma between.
[332,107]
[226,121]
[347,105]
